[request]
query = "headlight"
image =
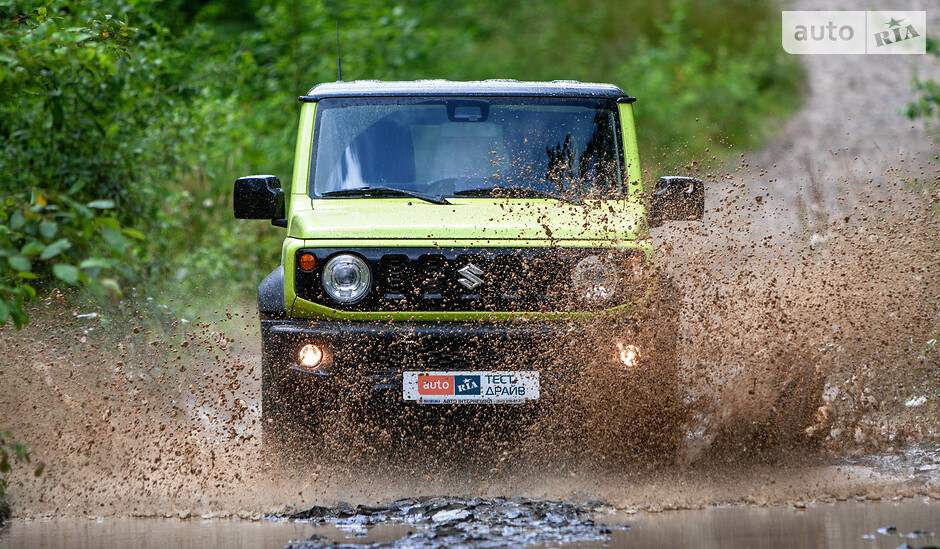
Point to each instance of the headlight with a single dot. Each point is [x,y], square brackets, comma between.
[595,279]
[347,278]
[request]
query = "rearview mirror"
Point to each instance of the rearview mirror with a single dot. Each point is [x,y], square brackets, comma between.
[259,197]
[677,199]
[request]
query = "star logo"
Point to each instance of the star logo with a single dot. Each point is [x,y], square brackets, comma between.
[893,23]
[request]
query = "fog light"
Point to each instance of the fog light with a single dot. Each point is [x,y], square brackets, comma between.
[310,356]
[629,354]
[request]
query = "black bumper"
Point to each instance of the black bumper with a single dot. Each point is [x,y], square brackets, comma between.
[375,354]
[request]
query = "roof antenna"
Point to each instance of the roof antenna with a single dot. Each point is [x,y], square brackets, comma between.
[339,66]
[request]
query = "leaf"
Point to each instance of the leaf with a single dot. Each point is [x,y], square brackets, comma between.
[114,240]
[4,312]
[77,186]
[102,204]
[20,263]
[26,275]
[48,229]
[133,233]
[20,318]
[107,222]
[55,249]
[21,451]
[65,272]
[17,220]
[33,247]
[99,262]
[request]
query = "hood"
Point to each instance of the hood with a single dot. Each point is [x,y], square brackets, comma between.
[464,218]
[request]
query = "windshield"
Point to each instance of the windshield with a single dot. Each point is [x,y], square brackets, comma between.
[497,146]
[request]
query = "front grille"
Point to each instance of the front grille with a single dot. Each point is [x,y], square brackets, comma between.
[429,279]
[394,287]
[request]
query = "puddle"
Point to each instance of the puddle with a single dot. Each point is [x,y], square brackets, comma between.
[835,526]
[477,523]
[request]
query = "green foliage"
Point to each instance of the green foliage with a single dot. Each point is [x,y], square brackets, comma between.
[98,121]
[927,104]
[60,188]
[927,107]
[10,452]
[45,235]
[696,102]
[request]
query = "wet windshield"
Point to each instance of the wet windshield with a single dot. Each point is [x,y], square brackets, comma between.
[509,146]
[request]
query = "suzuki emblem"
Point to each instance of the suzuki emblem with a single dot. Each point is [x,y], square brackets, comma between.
[471,276]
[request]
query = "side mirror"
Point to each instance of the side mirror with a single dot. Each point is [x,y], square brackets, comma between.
[677,199]
[259,197]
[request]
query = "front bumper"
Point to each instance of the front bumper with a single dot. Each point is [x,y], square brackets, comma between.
[374,355]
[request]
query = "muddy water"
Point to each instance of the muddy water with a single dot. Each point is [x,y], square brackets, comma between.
[838,525]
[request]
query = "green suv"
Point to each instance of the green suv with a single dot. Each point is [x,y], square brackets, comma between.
[454,243]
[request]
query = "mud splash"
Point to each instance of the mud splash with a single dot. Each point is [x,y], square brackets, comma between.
[795,338]
[132,411]
[139,414]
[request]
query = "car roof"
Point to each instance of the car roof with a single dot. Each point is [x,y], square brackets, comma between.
[377,88]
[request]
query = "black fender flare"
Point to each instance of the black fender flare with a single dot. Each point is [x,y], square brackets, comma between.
[271,295]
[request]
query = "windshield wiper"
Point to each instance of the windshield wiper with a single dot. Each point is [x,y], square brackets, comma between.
[387,191]
[510,192]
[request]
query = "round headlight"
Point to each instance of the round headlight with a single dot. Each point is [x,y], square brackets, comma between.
[594,279]
[346,278]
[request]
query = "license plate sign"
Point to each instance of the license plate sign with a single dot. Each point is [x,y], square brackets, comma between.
[473,387]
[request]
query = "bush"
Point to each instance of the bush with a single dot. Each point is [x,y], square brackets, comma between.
[65,187]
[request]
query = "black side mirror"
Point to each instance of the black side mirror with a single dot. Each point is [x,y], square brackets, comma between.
[259,197]
[677,199]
